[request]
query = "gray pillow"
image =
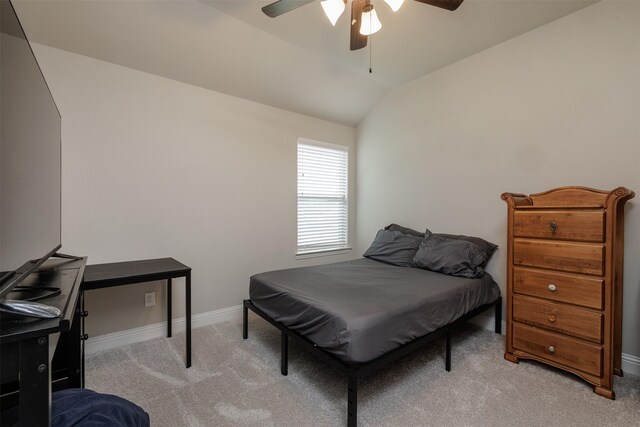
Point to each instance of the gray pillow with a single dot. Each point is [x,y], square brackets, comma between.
[488,247]
[393,247]
[450,256]
[404,230]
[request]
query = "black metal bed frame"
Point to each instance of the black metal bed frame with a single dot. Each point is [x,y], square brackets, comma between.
[359,370]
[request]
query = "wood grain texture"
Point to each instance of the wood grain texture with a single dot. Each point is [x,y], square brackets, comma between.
[564,281]
[283,6]
[444,4]
[604,392]
[617,254]
[566,319]
[583,226]
[574,289]
[572,257]
[582,197]
[571,352]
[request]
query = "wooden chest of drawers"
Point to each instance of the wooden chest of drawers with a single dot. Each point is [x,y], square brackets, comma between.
[564,281]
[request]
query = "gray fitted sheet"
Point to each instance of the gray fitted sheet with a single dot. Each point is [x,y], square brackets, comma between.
[359,310]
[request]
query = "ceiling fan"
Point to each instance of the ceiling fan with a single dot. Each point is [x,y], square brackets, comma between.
[364,20]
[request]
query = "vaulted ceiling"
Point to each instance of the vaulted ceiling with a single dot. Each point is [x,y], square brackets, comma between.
[297,61]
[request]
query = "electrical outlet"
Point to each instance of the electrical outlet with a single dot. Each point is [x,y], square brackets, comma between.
[149,299]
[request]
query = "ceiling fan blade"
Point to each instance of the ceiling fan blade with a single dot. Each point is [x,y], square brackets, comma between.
[283,6]
[444,4]
[358,41]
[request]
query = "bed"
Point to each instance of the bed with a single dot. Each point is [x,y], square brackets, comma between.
[361,315]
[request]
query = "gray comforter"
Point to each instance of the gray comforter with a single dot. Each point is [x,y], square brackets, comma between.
[361,309]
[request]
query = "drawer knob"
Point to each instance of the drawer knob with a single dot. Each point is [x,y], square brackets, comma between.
[553,226]
[552,287]
[551,349]
[552,318]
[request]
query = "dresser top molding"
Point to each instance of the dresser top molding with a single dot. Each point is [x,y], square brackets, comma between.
[569,197]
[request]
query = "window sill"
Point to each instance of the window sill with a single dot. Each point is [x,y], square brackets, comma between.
[328,252]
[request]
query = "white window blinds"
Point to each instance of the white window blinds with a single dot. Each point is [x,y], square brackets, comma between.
[322,197]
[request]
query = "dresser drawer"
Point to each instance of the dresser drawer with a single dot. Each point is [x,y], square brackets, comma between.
[586,226]
[586,258]
[574,321]
[554,347]
[570,288]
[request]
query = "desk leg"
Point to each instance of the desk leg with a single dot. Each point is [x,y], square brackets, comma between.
[84,314]
[74,348]
[188,307]
[169,307]
[35,382]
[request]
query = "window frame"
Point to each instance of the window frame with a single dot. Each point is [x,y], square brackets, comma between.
[311,253]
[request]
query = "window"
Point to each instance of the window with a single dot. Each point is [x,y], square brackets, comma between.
[322,197]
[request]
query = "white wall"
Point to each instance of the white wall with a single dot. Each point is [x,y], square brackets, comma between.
[157,168]
[557,106]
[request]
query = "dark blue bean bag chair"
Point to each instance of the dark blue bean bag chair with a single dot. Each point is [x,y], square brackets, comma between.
[82,407]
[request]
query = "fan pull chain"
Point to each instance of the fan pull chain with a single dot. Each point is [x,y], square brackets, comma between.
[370,49]
[370,43]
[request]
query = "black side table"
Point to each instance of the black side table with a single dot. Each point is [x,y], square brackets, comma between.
[27,345]
[98,276]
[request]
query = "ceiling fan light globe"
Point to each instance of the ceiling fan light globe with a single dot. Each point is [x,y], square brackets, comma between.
[369,23]
[333,9]
[394,4]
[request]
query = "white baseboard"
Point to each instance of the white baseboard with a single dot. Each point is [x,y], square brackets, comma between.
[108,341]
[630,363]
[487,322]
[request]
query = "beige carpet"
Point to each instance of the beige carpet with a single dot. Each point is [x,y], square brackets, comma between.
[237,382]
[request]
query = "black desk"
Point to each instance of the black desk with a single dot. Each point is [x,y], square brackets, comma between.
[98,276]
[31,347]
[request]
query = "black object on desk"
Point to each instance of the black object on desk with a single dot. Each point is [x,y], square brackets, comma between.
[98,276]
[36,352]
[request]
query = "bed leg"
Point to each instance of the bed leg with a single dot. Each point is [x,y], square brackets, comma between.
[245,320]
[352,401]
[447,349]
[284,353]
[498,316]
